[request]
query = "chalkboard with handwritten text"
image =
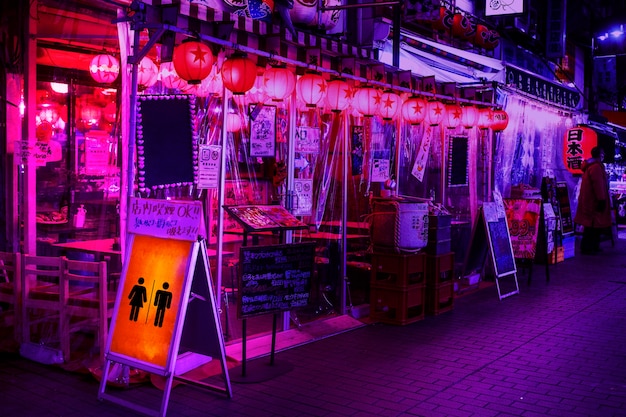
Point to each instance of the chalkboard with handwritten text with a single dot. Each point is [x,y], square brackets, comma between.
[274,278]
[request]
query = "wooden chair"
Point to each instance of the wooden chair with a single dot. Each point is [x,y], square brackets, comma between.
[91,307]
[10,290]
[41,297]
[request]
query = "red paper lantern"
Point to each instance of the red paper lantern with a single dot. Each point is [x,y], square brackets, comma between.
[414,110]
[390,105]
[193,61]
[233,122]
[500,120]
[239,73]
[469,116]
[577,145]
[338,95]
[258,92]
[311,88]
[367,100]
[435,112]
[104,68]
[147,72]
[279,82]
[453,116]
[485,118]
[486,38]
[444,20]
[170,78]
[462,27]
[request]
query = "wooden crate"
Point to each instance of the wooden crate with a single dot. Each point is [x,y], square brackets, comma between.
[397,306]
[439,298]
[439,268]
[397,271]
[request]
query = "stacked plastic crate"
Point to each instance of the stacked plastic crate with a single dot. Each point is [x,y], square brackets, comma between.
[397,288]
[439,266]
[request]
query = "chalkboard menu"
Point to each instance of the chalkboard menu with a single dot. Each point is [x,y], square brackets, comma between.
[562,195]
[274,278]
[458,174]
[165,140]
[501,250]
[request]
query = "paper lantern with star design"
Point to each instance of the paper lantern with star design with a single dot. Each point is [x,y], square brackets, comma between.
[485,118]
[311,88]
[414,110]
[147,72]
[338,95]
[453,116]
[390,105]
[279,82]
[435,112]
[469,116]
[367,100]
[193,61]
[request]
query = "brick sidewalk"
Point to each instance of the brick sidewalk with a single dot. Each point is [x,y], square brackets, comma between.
[555,349]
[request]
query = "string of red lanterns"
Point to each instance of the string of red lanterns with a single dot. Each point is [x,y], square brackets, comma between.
[193,63]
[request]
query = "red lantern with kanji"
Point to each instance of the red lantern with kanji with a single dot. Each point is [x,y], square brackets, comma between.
[390,105]
[462,27]
[239,73]
[486,38]
[435,112]
[414,110]
[577,145]
[104,68]
[193,61]
[453,116]
[469,116]
[311,88]
[367,100]
[338,95]
[444,20]
[279,82]
[500,120]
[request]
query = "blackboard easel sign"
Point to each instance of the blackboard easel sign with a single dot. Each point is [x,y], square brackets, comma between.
[272,279]
[491,236]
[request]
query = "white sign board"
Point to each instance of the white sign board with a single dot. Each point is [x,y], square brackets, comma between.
[209,166]
[502,7]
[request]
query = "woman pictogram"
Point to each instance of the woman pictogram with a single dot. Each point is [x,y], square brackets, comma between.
[137,297]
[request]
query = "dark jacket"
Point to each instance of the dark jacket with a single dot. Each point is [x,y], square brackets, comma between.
[593,201]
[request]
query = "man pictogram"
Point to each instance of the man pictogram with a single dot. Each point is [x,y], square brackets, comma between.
[162,301]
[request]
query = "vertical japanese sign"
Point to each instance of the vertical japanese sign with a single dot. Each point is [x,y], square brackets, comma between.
[209,166]
[263,131]
[303,189]
[577,145]
[419,167]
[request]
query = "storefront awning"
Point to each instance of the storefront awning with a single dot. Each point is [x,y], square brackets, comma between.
[447,64]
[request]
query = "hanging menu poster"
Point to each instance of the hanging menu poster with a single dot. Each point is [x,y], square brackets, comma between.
[263,131]
[275,278]
[562,195]
[523,220]
[307,139]
[303,188]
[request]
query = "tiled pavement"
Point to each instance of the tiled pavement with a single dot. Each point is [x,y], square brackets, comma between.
[555,349]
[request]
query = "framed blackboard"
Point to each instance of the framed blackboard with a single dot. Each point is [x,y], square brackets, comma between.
[274,278]
[166,142]
[458,173]
[562,195]
[500,245]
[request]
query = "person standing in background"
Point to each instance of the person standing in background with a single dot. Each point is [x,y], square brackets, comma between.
[593,212]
